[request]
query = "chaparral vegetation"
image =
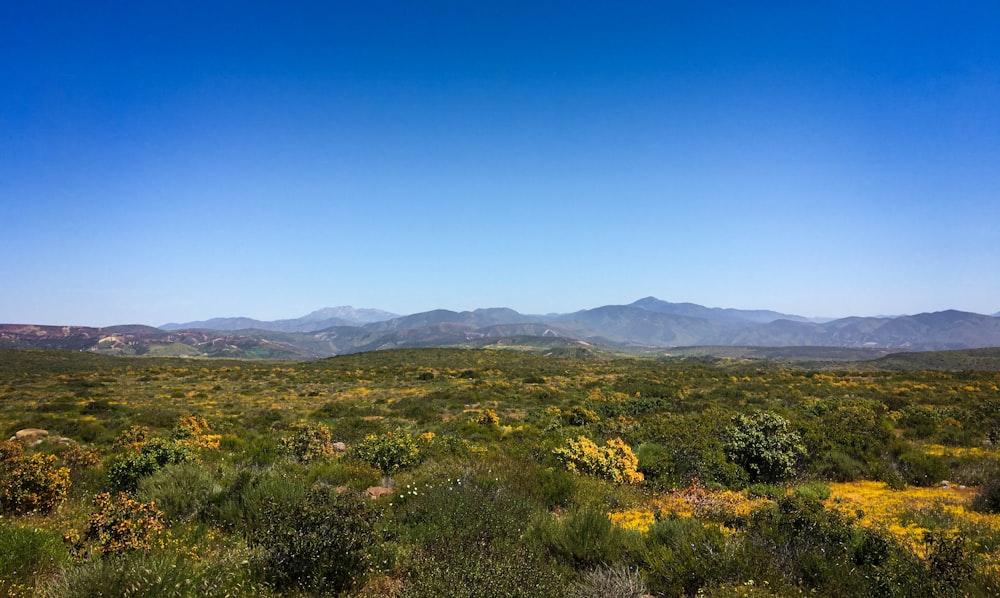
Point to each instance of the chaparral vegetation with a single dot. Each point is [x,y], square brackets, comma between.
[479,473]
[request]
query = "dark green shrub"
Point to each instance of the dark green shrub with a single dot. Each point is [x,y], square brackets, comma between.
[320,544]
[557,487]
[770,491]
[681,556]
[950,564]
[838,466]
[987,500]
[813,491]
[921,469]
[124,474]
[246,495]
[462,511]
[583,539]
[656,465]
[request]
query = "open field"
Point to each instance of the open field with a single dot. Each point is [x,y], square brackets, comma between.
[498,473]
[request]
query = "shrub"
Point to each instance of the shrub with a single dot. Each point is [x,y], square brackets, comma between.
[246,494]
[950,563]
[581,416]
[309,442]
[193,431]
[30,481]
[655,464]
[123,523]
[489,418]
[764,446]
[389,452]
[614,462]
[319,544]
[987,500]
[125,473]
[682,555]
[921,469]
[583,539]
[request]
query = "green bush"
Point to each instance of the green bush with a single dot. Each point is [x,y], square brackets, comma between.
[683,555]
[583,539]
[246,496]
[987,500]
[481,571]
[124,473]
[817,490]
[921,469]
[764,445]
[770,491]
[320,544]
[656,465]
[389,452]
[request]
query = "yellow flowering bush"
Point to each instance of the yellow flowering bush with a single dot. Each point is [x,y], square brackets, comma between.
[30,481]
[194,431]
[123,523]
[309,442]
[614,462]
[489,418]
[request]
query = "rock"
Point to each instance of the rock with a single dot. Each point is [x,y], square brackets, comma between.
[378,491]
[339,447]
[30,436]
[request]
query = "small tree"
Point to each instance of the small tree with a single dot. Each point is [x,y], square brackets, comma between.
[764,445]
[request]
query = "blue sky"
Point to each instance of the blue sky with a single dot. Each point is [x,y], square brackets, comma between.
[178,161]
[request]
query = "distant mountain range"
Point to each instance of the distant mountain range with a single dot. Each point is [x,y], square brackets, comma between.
[648,323]
[327,317]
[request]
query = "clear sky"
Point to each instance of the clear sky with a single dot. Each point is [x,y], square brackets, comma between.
[173,161]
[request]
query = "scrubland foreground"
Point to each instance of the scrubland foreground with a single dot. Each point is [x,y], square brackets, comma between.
[494,473]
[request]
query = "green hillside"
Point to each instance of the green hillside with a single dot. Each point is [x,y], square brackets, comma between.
[487,472]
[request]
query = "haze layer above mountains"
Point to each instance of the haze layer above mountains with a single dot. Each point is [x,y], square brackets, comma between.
[645,324]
